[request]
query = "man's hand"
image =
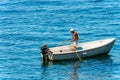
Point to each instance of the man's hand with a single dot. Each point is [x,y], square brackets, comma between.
[72,40]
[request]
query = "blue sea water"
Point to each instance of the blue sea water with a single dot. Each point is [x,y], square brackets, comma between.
[27,24]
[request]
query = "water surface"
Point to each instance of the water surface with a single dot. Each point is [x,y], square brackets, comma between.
[27,24]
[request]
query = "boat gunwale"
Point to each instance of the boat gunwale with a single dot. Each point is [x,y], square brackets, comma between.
[82,51]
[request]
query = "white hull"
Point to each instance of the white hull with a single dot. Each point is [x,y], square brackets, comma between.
[89,49]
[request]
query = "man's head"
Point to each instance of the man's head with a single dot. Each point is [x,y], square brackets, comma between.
[72,30]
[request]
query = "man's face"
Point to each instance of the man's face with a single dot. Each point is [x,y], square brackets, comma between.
[71,31]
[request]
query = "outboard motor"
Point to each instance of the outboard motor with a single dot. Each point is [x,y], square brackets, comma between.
[45,52]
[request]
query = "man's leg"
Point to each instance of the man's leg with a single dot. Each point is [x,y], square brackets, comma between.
[74,47]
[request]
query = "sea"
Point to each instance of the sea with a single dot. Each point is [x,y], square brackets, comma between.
[26,25]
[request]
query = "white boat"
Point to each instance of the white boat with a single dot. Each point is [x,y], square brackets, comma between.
[89,49]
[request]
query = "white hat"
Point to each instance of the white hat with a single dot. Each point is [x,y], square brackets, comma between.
[71,29]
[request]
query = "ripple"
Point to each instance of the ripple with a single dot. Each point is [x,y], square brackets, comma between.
[26,25]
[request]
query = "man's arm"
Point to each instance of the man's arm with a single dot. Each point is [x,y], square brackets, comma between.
[74,37]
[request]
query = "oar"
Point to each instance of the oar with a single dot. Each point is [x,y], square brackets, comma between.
[78,56]
[61,43]
[76,64]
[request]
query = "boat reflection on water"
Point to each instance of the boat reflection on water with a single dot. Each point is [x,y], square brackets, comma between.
[78,69]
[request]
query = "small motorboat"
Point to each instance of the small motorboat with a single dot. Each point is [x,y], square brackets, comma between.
[85,49]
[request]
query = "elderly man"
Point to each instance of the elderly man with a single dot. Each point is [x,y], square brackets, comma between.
[74,39]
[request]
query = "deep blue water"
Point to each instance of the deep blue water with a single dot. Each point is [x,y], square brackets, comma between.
[27,24]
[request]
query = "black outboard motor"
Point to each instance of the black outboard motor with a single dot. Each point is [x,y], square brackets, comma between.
[45,52]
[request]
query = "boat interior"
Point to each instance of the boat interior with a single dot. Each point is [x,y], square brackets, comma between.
[80,46]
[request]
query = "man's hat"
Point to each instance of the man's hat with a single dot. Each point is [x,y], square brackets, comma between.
[71,29]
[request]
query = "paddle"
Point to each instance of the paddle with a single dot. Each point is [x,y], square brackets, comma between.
[61,43]
[78,55]
[76,64]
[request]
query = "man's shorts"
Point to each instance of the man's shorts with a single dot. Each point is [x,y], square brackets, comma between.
[75,43]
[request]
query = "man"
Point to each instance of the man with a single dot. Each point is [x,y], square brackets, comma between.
[74,39]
